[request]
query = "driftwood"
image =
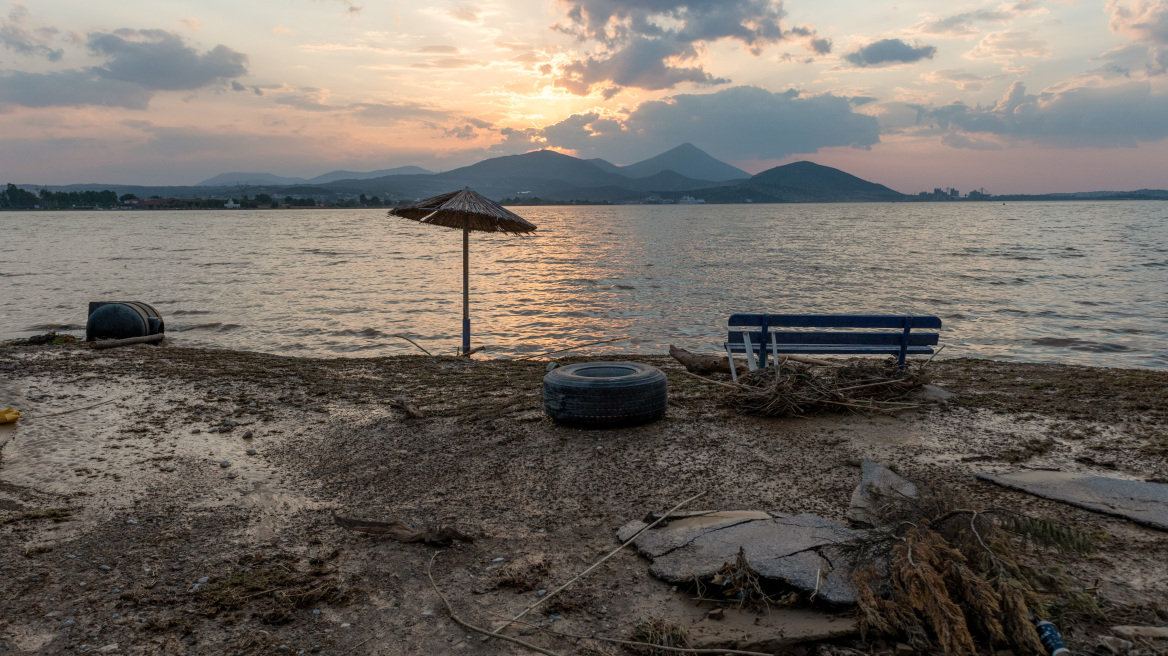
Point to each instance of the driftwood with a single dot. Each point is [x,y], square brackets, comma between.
[442,536]
[403,404]
[699,363]
[111,343]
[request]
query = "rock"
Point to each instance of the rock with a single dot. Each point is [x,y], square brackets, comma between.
[225,464]
[204,579]
[104,568]
[879,489]
[1151,632]
[1113,645]
[67,623]
[196,431]
[555,618]
[247,435]
[108,649]
[903,650]
[803,551]
[1143,503]
[931,393]
[251,452]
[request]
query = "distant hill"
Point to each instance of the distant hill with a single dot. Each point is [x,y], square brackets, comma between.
[537,165]
[802,182]
[333,176]
[688,160]
[235,177]
[605,165]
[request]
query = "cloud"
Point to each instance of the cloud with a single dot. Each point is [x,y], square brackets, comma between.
[138,63]
[963,80]
[1145,22]
[70,89]
[1009,45]
[655,45]
[192,23]
[157,59]
[962,24]
[466,14]
[448,63]
[1101,117]
[17,36]
[641,64]
[437,50]
[736,123]
[889,52]
[311,99]
[350,6]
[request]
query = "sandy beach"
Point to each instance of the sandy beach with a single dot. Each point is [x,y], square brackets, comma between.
[180,501]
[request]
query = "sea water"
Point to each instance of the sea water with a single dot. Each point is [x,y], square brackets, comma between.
[1075,282]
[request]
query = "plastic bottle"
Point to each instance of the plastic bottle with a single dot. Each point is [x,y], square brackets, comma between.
[1050,637]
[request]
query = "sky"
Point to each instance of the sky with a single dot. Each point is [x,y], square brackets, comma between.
[1030,96]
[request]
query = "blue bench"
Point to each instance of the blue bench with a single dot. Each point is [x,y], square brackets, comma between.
[765,332]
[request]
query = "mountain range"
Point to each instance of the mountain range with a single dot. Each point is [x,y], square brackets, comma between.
[549,176]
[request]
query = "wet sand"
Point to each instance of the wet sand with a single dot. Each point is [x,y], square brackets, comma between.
[111,516]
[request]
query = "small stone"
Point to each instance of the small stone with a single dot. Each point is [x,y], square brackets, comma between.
[67,623]
[247,435]
[251,452]
[316,612]
[498,560]
[212,430]
[283,648]
[1114,645]
[104,568]
[541,592]
[130,521]
[716,614]
[904,650]
[204,579]
[555,618]
[196,431]
[225,464]
[427,612]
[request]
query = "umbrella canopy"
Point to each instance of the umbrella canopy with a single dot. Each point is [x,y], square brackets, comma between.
[466,209]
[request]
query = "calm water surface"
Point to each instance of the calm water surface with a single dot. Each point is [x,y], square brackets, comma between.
[1081,282]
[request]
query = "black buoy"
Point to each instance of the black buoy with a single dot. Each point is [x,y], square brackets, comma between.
[122,320]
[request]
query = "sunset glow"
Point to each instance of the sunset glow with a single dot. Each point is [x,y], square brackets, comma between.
[1029,96]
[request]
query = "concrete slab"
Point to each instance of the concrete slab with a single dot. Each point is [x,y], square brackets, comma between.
[879,488]
[776,630]
[803,551]
[1143,503]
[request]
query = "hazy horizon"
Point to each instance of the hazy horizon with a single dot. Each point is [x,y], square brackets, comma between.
[1033,96]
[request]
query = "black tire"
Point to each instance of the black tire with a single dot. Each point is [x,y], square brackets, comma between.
[604,394]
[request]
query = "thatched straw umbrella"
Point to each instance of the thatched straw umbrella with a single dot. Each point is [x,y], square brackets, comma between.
[467,210]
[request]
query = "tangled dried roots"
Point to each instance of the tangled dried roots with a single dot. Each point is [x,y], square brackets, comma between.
[660,632]
[952,580]
[738,583]
[792,389]
[525,574]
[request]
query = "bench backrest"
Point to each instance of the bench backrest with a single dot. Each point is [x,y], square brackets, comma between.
[832,321]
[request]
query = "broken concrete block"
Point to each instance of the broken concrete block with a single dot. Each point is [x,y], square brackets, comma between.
[1143,503]
[880,489]
[803,551]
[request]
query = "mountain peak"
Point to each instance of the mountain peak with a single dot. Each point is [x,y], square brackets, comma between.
[688,160]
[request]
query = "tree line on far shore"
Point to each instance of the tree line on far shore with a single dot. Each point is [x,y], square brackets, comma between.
[15,198]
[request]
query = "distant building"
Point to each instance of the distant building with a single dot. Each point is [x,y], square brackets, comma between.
[231,205]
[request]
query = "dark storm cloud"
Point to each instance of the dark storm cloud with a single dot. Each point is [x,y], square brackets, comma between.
[138,63]
[640,64]
[1101,117]
[160,60]
[17,36]
[736,123]
[654,44]
[889,52]
[69,89]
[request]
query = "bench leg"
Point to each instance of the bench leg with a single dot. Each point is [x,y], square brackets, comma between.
[733,369]
[751,363]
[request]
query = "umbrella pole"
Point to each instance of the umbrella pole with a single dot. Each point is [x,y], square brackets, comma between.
[466,290]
